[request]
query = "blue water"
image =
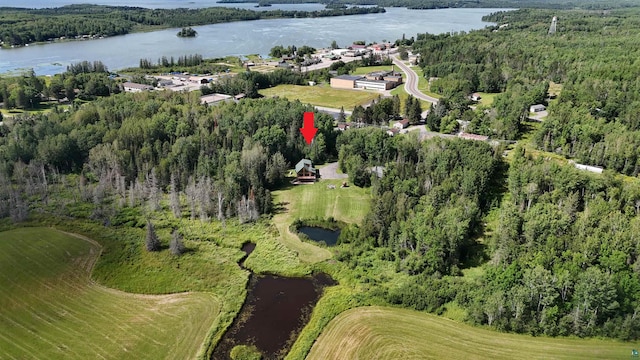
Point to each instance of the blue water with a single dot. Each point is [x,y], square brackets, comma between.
[329,237]
[237,38]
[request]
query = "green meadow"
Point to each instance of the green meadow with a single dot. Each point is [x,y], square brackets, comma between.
[50,309]
[390,333]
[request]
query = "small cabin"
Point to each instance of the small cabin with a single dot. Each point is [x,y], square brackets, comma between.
[305,172]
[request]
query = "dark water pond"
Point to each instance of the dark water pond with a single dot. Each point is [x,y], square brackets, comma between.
[275,311]
[329,237]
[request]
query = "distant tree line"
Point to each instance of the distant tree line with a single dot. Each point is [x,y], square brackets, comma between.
[169,62]
[84,80]
[22,26]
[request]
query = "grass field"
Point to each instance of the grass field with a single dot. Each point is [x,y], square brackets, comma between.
[49,308]
[317,201]
[486,99]
[322,95]
[367,69]
[389,333]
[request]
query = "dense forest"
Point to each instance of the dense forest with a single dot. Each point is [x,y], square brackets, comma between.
[22,26]
[592,55]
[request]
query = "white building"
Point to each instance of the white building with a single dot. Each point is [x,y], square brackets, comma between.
[135,87]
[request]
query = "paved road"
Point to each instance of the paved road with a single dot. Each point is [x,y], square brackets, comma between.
[411,84]
[331,110]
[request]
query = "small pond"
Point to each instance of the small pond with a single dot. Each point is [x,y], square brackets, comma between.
[329,237]
[274,312]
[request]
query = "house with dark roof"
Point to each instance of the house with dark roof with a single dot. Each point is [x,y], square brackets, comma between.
[305,172]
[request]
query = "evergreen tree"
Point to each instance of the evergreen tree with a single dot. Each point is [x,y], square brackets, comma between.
[152,243]
[176,246]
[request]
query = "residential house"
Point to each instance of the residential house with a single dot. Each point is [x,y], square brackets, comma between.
[537,108]
[393,131]
[475,97]
[305,172]
[402,124]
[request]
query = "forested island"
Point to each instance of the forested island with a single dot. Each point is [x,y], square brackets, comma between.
[23,26]
[532,231]
[187,32]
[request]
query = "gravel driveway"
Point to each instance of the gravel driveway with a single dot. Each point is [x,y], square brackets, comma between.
[330,171]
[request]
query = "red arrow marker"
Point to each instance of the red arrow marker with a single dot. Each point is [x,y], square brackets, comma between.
[308,130]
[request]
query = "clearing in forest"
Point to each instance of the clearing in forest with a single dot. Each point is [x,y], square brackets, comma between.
[390,333]
[318,200]
[50,309]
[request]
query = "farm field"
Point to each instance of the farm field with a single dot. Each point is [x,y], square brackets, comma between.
[322,95]
[390,333]
[317,201]
[50,309]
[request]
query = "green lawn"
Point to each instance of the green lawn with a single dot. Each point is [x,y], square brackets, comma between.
[367,69]
[44,107]
[486,99]
[389,333]
[317,201]
[49,308]
[322,95]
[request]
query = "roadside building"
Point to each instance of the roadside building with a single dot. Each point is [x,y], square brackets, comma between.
[135,87]
[373,84]
[593,169]
[402,124]
[214,99]
[537,108]
[393,131]
[344,81]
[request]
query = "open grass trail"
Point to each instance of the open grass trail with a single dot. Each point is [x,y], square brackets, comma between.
[389,333]
[50,309]
[349,204]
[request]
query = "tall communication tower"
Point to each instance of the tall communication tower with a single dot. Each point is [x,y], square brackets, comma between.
[552,28]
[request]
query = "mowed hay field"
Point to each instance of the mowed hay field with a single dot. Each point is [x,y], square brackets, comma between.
[390,333]
[322,95]
[49,308]
[349,204]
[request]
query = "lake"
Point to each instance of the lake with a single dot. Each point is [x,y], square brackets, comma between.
[240,38]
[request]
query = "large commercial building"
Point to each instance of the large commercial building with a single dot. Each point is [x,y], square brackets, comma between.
[378,80]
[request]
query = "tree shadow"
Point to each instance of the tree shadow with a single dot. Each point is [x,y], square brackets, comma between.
[281,207]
